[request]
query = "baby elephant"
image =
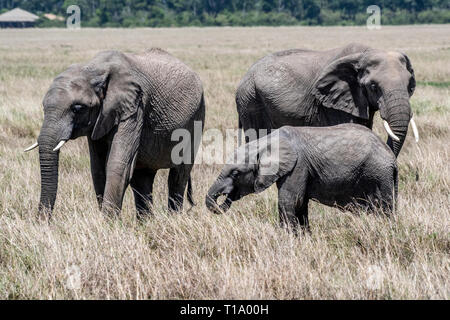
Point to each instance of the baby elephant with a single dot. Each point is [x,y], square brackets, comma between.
[345,166]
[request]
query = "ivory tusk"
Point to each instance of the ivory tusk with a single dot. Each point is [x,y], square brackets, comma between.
[389,131]
[59,146]
[415,131]
[35,145]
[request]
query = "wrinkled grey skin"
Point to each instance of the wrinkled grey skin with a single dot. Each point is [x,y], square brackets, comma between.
[128,106]
[323,88]
[346,166]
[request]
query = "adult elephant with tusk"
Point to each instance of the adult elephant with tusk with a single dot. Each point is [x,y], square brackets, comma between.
[128,107]
[323,88]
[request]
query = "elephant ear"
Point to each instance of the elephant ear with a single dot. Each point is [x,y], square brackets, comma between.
[338,87]
[276,158]
[412,81]
[121,97]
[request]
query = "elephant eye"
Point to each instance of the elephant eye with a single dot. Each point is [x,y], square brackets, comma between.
[373,86]
[411,87]
[234,174]
[77,108]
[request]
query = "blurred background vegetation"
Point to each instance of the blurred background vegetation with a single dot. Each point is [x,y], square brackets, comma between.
[167,13]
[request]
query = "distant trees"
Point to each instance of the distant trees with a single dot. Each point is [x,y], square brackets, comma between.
[164,13]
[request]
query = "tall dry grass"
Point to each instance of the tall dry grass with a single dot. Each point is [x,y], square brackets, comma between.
[242,254]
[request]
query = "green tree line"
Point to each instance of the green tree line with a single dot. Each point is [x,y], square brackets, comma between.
[166,13]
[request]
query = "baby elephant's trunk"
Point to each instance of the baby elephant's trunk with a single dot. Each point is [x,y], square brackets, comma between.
[211,199]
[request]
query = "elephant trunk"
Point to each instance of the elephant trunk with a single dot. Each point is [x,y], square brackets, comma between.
[49,162]
[398,119]
[213,194]
[52,133]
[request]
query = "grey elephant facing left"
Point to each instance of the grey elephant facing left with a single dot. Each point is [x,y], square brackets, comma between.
[128,106]
[346,166]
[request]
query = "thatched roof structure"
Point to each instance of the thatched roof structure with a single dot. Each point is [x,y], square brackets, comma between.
[17,18]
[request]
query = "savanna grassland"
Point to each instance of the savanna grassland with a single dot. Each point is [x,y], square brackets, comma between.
[242,254]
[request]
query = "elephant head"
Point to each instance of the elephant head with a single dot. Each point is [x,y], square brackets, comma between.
[253,168]
[84,100]
[362,83]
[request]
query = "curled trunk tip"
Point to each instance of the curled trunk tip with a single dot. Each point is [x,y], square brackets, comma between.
[213,206]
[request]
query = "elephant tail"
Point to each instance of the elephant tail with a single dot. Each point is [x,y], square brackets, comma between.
[190,195]
[395,188]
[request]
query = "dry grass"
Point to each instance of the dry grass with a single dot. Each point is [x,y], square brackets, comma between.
[242,254]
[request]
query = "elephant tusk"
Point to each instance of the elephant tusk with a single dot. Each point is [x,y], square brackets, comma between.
[35,145]
[415,131]
[389,131]
[59,146]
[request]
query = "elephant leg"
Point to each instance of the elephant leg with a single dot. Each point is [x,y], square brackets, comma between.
[260,126]
[387,198]
[178,179]
[98,152]
[117,180]
[254,120]
[292,201]
[120,165]
[376,201]
[142,185]
[288,204]
[301,211]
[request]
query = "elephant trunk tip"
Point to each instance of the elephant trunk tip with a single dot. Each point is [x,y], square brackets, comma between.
[214,207]
[44,211]
[211,204]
